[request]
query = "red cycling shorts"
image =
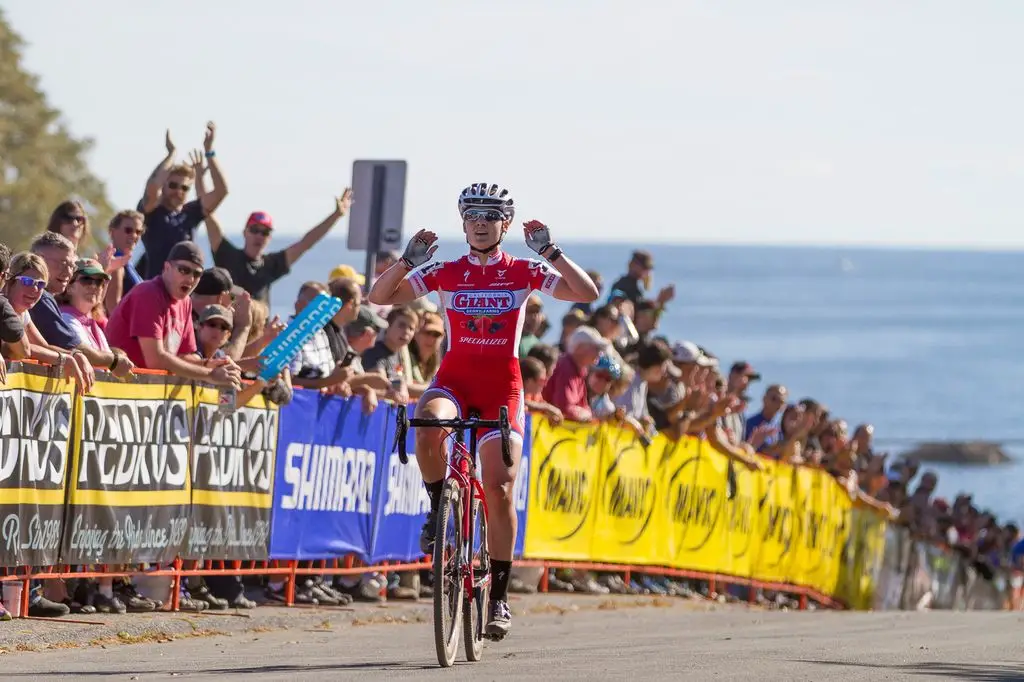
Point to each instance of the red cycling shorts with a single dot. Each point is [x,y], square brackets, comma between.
[483,385]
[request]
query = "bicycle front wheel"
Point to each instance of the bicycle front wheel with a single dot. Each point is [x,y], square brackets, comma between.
[475,608]
[448,587]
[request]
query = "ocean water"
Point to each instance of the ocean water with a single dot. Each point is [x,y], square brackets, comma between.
[925,345]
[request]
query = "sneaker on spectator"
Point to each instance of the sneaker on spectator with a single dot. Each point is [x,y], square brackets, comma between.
[636,588]
[81,600]
[426,591]
[652,586]
[214,603]
[274,594]
[396,590]
[515,585]
[556,584]
[134,601]
[44,608]
[4,613]
[187,603]
[242,602]
[321,595]
[105,604]
[344,599]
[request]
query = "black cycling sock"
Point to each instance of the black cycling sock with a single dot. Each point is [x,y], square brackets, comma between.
[434,492]
[501,571]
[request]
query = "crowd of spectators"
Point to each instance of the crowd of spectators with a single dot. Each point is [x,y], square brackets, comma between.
[83,308]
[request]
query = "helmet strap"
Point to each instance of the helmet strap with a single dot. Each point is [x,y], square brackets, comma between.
[487,251]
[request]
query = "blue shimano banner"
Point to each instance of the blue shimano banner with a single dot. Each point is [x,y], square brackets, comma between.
[401,501]
[329,458]
[521,491]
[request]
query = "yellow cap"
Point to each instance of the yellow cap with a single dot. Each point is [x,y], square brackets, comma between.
[346,271]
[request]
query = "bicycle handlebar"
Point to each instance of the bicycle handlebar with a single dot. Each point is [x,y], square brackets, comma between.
[471,423]
[403,423]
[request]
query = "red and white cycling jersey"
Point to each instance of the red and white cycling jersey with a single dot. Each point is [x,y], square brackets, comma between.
[484,310]
[484,305]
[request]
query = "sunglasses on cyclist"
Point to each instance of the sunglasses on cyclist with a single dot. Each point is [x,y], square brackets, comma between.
[178,185]
[26,281]
[189,272]
[482,214]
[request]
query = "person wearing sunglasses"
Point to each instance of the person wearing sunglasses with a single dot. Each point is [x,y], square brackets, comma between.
[60,334]
[81,305]
[12,330]
[169,218]
[125,230]
[153,323]
[251,267]
[70,220]
[484,293]
[24,287]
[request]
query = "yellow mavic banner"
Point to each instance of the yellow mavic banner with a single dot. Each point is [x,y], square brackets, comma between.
[626,520]
[597,494]
[564,490]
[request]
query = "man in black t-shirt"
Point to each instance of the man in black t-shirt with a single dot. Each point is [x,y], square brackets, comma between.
[252,268]
[169,219]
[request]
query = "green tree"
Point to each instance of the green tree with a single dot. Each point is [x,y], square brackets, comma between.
[41,164]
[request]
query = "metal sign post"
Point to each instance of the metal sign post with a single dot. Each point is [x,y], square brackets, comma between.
[377,212]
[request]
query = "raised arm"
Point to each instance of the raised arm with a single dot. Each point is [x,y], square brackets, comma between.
[212,199]
[575,285]
[295,251]
[393,288]
[151,197]
[213,229]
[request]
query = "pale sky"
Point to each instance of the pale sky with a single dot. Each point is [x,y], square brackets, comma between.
[726,122]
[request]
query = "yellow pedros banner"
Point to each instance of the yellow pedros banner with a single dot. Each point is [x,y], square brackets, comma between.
[597,494]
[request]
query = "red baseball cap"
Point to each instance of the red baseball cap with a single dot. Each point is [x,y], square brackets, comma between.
[260,218]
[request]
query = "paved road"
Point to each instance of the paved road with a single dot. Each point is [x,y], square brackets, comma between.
[599,640]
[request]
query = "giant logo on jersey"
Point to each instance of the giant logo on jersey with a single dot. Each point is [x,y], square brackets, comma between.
[486,303]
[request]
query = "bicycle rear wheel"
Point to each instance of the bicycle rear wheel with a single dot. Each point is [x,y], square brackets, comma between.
[448,586]
[474,613]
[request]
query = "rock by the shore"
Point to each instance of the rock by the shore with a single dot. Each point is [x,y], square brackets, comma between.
[970,452]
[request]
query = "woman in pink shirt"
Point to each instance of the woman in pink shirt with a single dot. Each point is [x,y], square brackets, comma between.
[81,305]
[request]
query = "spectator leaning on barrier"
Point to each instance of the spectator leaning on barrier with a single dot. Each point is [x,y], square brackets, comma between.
[124,231]
[364,384]
[28,277]
[12,331]
[252,268]
[427,348]
[215,287]
[566,388]
[362,332]
[59,255]
[532,324]
[169,219]
[762,429]
[386,355]
[71,221]
[535,376]
[81,305]
[315,366]
[215,324]
[153,324]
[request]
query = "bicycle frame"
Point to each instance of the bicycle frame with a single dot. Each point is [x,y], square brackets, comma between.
[462,466]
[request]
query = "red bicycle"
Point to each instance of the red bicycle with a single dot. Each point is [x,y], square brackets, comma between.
[461,562]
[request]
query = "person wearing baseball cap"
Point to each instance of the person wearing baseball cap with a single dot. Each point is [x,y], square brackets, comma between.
[153,323]
[348,272]
[215,324]
[250,266]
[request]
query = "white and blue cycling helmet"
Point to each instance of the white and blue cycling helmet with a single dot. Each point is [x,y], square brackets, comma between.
[484,195]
